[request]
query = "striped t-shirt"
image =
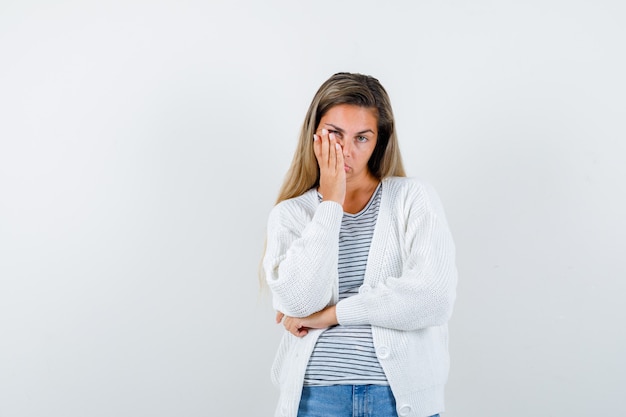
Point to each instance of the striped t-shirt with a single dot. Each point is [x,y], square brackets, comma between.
[345,354]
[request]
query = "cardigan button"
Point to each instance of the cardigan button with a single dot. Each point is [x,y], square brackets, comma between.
[405,410]
[382,352]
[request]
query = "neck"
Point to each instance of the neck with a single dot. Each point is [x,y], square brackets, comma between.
[358,193]
[367,182]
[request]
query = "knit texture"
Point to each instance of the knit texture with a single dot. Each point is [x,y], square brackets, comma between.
[345,355]
[407,295]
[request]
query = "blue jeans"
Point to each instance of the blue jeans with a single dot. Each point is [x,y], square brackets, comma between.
[348,401]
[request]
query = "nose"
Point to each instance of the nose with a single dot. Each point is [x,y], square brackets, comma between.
[346,147]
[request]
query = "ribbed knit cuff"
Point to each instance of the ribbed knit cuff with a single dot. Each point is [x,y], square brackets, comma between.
[351,311]
[329,212]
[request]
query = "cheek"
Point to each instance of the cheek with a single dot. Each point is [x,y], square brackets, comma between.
[369,150]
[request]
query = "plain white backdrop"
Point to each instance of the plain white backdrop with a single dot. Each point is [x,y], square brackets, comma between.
[142,145]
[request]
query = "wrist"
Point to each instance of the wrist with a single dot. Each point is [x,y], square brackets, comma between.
[332,315]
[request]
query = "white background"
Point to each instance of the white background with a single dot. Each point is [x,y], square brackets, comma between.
[142,145]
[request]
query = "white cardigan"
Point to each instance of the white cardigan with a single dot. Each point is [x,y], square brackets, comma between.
[407,295]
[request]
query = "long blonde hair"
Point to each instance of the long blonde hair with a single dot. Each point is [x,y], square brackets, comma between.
[344,88]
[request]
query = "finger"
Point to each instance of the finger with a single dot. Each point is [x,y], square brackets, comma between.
[339,158]
[291,325]
[279,317]
[332,157]
[300,330]
[325,149]
[317,147]
[295,327]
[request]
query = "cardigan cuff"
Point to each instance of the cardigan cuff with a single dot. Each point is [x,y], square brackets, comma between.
[329,212]
[351,311]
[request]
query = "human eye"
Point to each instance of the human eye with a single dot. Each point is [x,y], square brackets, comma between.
[362,139]
[337,134]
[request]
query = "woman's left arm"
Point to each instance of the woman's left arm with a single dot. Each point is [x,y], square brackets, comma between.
[423,294]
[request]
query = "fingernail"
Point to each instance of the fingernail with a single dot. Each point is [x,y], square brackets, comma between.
[315,137]
[332,136]
[324,132]
[337,146]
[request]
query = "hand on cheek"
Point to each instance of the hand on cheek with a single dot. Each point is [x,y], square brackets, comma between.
[329,156]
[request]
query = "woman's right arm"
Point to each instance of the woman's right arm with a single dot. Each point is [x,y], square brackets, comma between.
[300,261]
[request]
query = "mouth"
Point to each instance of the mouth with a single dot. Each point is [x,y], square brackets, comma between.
[346,168]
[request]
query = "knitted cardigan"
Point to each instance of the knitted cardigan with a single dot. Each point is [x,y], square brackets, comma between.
[407,296]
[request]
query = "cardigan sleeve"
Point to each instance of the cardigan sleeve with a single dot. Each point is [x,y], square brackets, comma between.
[300,261]
[423,293]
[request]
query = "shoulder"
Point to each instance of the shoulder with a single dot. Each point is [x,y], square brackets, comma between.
[409,185]
[298,207]
[413,191]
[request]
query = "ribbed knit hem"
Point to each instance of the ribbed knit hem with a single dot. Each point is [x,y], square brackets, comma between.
[421,403]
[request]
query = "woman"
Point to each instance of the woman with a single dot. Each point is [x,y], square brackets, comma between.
[360,263]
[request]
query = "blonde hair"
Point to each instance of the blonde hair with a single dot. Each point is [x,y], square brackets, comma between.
[344,88]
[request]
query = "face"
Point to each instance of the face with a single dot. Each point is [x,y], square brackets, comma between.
[356,130]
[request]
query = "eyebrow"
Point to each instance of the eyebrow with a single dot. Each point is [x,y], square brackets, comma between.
[340,130]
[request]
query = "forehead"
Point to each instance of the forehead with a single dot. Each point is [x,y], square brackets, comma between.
[351,116]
